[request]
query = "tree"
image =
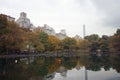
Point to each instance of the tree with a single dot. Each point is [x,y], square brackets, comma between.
[92,38]
[114,44]
[53,43]
[3,21]
[94,46]
[68,43]
[103,43]
[82,45]
[11,37]
[117,32]
[14,39]
[3,32]
[43,37]
[33,42]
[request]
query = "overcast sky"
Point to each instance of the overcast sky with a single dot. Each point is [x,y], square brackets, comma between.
[100,16]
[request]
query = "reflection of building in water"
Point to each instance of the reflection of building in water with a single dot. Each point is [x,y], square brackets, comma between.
[63,71]
[23,21]
[49,76]
[28,60]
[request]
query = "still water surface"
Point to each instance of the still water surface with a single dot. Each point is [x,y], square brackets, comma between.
[61,68]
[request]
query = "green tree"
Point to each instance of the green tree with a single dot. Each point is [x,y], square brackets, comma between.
[117,32]
[43,37]
[92,38]
[103,43]
[68,43]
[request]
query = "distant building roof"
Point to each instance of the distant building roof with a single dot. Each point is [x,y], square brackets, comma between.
[9,18]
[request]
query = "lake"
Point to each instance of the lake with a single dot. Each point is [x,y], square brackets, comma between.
[84,67]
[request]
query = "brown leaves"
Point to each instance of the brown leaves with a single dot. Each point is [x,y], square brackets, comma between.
[115,43]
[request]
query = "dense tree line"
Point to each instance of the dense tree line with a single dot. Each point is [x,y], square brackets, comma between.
[15,39]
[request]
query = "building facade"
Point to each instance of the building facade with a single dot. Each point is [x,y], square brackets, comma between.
[49,30]
[23,21]
[61,35]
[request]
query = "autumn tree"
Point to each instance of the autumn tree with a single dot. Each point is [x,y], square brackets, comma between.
[11,37]
[114,44]
[53,43]
[83,45]
[3,31]
[3,25]
[15,38]
[32,42]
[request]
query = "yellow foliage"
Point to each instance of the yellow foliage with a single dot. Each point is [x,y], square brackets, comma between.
[54,41]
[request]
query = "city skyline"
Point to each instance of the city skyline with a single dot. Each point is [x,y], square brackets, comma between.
[100,17]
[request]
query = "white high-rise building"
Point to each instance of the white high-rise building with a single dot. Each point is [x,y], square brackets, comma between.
[23,21]
[49,30]
[63,31]
[61,35]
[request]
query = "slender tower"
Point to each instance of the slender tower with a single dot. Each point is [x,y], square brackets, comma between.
[84,33]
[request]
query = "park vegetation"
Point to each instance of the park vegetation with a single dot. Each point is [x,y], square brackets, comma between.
[15,39]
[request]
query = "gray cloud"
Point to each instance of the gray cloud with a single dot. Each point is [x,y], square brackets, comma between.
[111,11]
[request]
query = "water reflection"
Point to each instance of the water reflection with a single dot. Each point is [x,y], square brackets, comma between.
[53,68]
